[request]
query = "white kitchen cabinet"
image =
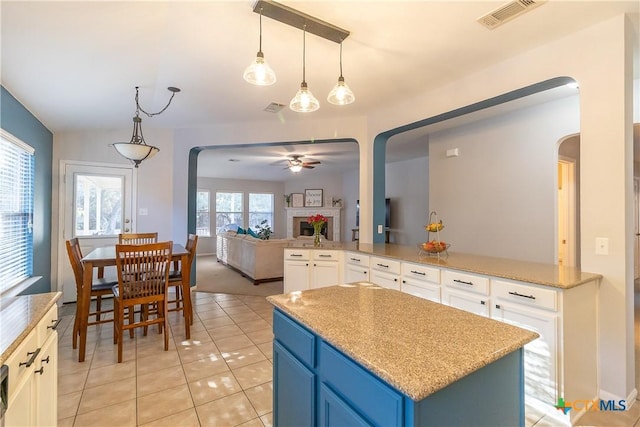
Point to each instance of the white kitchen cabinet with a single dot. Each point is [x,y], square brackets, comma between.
[311,268]
[385,272]
[421,281]
[469,292]
[33,376]
[356,267]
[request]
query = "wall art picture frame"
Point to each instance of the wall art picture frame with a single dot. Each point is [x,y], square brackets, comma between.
[297,200]
[313,198]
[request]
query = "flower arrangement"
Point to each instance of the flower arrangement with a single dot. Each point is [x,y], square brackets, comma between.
[317,221]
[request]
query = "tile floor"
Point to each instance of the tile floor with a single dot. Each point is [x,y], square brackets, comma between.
[221,377]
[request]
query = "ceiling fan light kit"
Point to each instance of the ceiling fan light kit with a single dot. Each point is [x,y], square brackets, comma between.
[303,101]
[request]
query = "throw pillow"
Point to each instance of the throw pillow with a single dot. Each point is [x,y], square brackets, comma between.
[241,230]
[252,233]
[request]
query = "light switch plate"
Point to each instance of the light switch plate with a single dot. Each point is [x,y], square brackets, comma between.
[379,229]
[602,246]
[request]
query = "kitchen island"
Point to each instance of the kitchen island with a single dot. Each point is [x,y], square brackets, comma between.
[359,354]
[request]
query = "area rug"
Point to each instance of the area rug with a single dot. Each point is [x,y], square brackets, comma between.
[212,276]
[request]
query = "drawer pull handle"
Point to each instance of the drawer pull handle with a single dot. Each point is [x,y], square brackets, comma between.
[324,256]
[422,273]
[55,324]
[355,259]
[296,255]
[521,295]
[498,306]
[395,280]
[45,360]
[404,281]
[40,371]
[463,282]
[32,359]
[382,265]
[482,302]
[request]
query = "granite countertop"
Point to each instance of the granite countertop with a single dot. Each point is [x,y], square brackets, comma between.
[417,346]
[19,316]
[524,271]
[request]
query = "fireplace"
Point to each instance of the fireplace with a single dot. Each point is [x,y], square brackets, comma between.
[297,224]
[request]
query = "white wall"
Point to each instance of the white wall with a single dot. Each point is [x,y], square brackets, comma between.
[498,197]
[407,185]
[351,188]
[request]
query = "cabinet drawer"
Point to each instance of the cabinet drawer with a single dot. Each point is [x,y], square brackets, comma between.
[465,281]
[357,259]
[421,289]
[366,393]
[420,272]
[296,254]
[525,294]
[385,264]
[48,324]
[295,338]
[19,359]
[326,255]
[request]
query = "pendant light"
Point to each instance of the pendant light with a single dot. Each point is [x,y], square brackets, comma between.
[304,101]
[341,94]
[259,72]
[137,149]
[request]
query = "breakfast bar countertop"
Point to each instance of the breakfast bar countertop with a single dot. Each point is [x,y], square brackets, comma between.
[415,345]
[19,315]
[525,271]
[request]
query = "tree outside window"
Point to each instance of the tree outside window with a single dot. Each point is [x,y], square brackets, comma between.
[260,209]
[228,210]
[203,214]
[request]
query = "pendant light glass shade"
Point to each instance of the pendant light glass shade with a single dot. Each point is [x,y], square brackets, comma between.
[295,168]
[341,94]
[259,72]
[136,150]
[304,101]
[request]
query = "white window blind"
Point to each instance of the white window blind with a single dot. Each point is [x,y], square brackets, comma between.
[16,211]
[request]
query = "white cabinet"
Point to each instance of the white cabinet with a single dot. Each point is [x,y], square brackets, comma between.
[311,268]
[33,376]
[385,272]
[421,281]
[356,267]
[469,292]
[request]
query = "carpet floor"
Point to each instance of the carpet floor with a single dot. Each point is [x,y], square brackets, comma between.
[212,276]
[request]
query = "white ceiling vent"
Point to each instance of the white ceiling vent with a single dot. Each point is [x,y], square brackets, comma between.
[508,12]
[274,107]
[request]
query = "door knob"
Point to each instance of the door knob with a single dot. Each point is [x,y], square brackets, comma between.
[127,221]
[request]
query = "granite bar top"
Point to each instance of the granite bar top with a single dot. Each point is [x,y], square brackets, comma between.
[19,316]
[417,346]
[524,271]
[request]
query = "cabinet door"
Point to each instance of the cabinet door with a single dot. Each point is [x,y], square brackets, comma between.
[336,412]
[47,383]
[421,289]
[293,390]
[467,301]
[21,411]
[356,273]
[386,280]
[296,276]
[325,273]
[541,355]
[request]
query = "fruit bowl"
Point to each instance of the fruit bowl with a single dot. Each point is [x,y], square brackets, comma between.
[434,246]
[434,227]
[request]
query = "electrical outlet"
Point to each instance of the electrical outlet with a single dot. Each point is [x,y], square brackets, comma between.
[602,246]
[379,229]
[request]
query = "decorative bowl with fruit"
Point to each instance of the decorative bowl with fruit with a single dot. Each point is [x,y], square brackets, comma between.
[434,246]
[434,227]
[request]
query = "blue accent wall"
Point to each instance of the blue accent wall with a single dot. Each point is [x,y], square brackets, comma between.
[18,121]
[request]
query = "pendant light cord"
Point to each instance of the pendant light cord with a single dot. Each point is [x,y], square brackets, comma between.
[260,43]
[341,59]
[139,108]
[304,48]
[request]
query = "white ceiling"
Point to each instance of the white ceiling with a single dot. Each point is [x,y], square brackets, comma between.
[75,64]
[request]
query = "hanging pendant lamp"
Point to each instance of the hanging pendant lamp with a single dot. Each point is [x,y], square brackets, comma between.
[304,101]
[259,72]
[341,94]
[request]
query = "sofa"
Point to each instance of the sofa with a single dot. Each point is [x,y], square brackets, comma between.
[259,260]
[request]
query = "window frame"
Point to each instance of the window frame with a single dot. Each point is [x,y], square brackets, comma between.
[270,213]
[200,231]
[240,212]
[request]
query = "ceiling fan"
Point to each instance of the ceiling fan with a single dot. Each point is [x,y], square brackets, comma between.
[296,164]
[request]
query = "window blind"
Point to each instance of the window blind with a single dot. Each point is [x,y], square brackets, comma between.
[16,211]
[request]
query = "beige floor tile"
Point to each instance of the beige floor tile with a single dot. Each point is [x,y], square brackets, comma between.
[266,349]
[164,403]
[72,366]
[66,422]
[68,404]
[158,361]
[217,322]
[227,411]
[208,305]
[73,382]
[238,310]
[254,374]
[213,387]
[261,336]
[210,314]
[267,419]
[261,397]
[160,379]
[188,418]
[109,356]
[111,373]
[233,343]
[242,357]
[230,303]
[254,325]
[197,338]
[119,415]
[195,352]
[244,317]
[223,297]
[214,364]
[225,331]
[107,395]
[252,423]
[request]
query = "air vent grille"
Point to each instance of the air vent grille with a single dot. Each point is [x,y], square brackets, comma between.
[508,12]
[274,107]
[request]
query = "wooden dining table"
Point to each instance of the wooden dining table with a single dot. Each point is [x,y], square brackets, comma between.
[106,256]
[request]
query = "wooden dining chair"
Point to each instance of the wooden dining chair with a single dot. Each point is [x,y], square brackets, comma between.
[137,238]
[99,288]
[143,279]
[175,276]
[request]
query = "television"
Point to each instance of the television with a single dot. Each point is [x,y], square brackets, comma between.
[387,213]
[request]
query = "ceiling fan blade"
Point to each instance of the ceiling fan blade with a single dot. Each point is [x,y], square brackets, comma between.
[306,166]
[312,163]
